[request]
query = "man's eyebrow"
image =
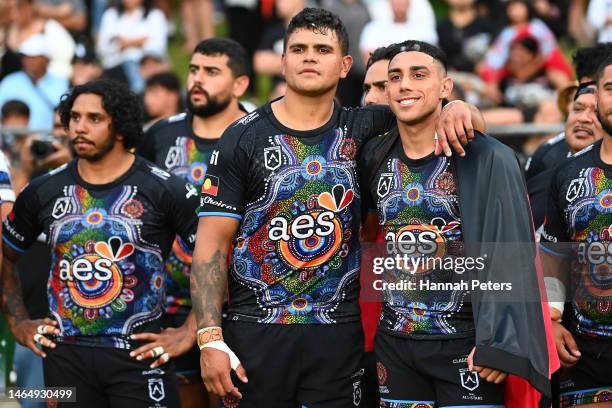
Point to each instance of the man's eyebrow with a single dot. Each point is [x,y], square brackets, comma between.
[379,83]
[411,68]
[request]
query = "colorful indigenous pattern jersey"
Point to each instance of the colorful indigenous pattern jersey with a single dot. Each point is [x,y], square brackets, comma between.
[172,145]
[417,207]
[296,256]
[108,243]
[580,212]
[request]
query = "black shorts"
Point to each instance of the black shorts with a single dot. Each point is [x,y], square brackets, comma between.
[187,366]
[316,365]
[590,380]
[428,373]
[369,383]
[107,377]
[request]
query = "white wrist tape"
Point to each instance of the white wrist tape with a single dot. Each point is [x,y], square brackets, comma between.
[220,345]
[555,291]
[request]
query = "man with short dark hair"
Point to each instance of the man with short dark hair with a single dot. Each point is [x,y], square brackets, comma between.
[110,218]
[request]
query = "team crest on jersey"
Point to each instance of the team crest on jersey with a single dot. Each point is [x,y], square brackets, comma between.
[61,207]
[385,183]
[272,157]
[156,389]
[575,189]
[469,379]
[173,158]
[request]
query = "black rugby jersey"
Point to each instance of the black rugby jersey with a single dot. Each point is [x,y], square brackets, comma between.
[539,172]
[578,225]
[416,202]
[172,145]
[108,244]
[297,255]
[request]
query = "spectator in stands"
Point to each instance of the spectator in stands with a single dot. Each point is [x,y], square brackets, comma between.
[129,31]
[355,16]
[27,23]
[465,36]
[587,60]
[381,32]
[162,97]
[72,14]
[267,58]
[35,85]
[85,66]
[198,21]
[152,64]
[522,23]
[15,118]
[599,16]
[526,80]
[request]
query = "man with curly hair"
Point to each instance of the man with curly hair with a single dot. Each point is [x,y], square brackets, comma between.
[110,218]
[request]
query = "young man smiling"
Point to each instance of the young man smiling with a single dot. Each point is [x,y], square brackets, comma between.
[434,347]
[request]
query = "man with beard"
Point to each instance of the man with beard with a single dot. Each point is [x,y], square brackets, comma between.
[541,166]
[183,145]
[576,249]
[284,186]
[110,218]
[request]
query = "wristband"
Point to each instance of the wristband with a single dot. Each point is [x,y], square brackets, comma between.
[220,345]
[209,334]
[555,290]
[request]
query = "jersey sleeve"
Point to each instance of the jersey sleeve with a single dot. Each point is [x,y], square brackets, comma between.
[183,203]
[21,226]
[6,188]
[223,190]
[554,238]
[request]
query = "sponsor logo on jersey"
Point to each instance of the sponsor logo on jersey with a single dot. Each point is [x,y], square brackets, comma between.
[317,223]
[174,157]
[272,157]
[164,175]
[210,185]
[210,201]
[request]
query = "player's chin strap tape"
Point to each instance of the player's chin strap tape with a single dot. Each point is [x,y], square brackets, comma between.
[220,345]
[555,291]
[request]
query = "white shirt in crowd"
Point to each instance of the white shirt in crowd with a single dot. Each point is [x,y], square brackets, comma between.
[382,31]
[599,16]
[131,26]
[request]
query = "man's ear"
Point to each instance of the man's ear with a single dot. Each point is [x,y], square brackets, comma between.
[347,63]
[283,71]
[240,86]
[447,87]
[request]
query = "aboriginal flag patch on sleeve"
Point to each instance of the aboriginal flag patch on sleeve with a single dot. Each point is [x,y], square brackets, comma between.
[210,185]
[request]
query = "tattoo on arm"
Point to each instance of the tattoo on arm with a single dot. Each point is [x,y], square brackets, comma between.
[208,285]
[13,306]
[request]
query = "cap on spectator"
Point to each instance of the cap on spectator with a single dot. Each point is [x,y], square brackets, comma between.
[84,54]
[35,46]
[566,94]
